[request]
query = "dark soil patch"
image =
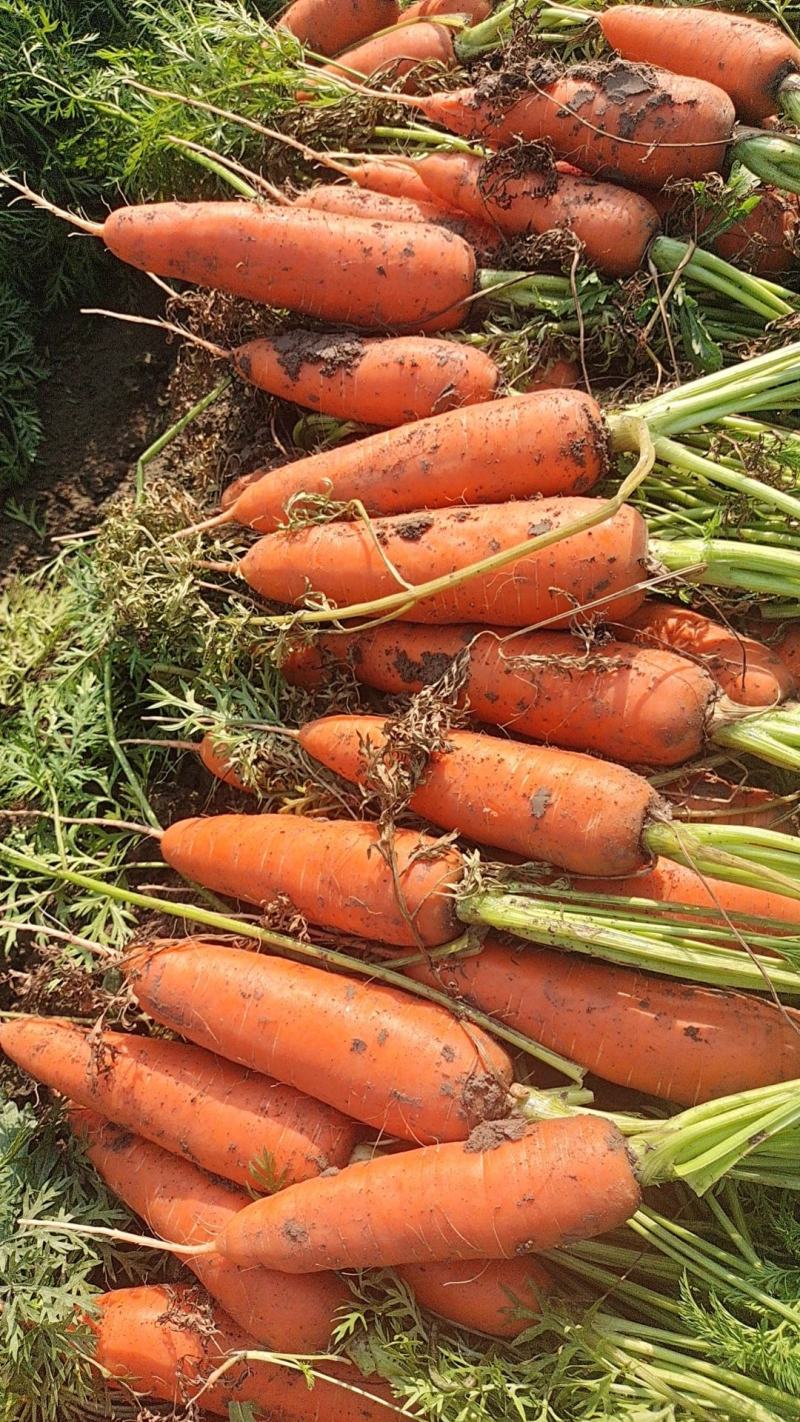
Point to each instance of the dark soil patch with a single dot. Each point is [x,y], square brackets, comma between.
[103,403]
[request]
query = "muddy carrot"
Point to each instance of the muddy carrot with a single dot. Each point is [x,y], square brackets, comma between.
[185,1205]
[388,1059]
[188,1101]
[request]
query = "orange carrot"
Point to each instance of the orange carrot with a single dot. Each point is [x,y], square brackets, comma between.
[346,200]
[670,883]
[701,794]
[367,274]
[184,1205]
[566,809]
[620,121]
[746,57]
[475,10]
[633,704]
[189,1102]
[332,872]
[554,375]
[549,442]
[217,764]
[165,1341]
[509,1189]
[328,28]
[613,226]
[397,1063]
[384,175]
[341,560]
[746,670]
[377,382]
[683,1043]
[501,1297]
[413,50]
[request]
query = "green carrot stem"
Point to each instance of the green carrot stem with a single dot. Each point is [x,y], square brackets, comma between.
[774,159]
[773,737]
[727,564]
[427,137]
[706,269]
[282,943]
[789,99]
[679,457]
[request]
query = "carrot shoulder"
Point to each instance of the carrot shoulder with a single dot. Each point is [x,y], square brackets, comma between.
[192,1103]
[186,1206]
[504,1192]
[386,1058]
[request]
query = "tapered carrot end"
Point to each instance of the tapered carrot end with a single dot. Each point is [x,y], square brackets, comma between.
[226,516]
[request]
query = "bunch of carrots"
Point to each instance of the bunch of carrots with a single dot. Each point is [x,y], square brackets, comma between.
[560,866]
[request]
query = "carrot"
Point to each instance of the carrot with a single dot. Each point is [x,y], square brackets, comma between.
[217,764]
[501,1297]
[787,647]
[328,28]
[397,1063]
[549,442]
[765,240]
[554,375]
[331,872]
[613,226]
[183,1204]
[342,561]
[391,178]
[409,51]
[670,883]
[475,10]
[509,1189]
[165,1341]
[364,273]
[345,200]
[618,121]
[746,670]
[701,794]
[750,59]
[377,382]
[552,805]
[631,704]
[189,1102]
[666,1038]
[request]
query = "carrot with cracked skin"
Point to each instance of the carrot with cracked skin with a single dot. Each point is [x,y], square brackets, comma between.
[746,670]
[341,560]
[747,57]
[566,809]
[501,1297]
[506,1191]
[633,704]
[548,442]
[623,122]
[188,1101]
[409,51]
[329,28]
[391,381]
[674,1040]
[614,226]
[333,872]
[166,1340]
[183,1204]
[344,200]
[386,1058]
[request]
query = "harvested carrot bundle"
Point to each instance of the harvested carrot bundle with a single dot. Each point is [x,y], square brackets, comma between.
[183,1204]
[501,1297]
[353,888]
[390,1060]
[613,225]
[412,50]
[551,441]
[601,566]
[346,200]
[641,705]
[377,382]
[328,28]
[191,1103]
[149,1340]
[629,123]
[753,60]
[502,1193]
[747,671]
[682,1043]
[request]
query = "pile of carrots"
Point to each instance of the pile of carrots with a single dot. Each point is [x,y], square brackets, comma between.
[309,1115]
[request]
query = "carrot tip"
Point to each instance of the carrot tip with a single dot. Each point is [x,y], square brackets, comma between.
[226,516]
